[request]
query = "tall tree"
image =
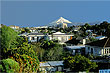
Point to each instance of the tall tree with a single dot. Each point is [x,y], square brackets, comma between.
[7,37]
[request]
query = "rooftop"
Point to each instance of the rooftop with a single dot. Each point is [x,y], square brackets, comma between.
[51,63]
[76,47]
[35,34]
[101,43]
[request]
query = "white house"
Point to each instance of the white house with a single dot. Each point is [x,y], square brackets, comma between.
[76,49]
[98,48]
[62,37]
[51,66]
[14,27]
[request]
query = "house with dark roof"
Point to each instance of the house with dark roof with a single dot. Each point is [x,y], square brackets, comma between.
[98,48]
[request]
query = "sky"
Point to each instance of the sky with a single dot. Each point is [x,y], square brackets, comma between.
[33,13]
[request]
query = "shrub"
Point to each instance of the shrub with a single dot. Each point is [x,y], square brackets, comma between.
[26,57]
[79,63]
[9,66]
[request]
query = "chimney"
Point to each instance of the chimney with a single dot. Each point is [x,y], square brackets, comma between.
[84,41]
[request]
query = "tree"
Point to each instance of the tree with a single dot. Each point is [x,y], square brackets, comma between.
[9,66]
[54,53]
[38,50]
[18,49]
[79,63]
[8,37]
[25,30]
[26,57]
[52,50]
[108,30]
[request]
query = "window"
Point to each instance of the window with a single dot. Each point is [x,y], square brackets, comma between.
[105,51]
[109,50]
[88,48]
[91,50]
[69,37]
[32,38]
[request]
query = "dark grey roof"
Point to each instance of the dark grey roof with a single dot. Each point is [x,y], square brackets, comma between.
[101,43]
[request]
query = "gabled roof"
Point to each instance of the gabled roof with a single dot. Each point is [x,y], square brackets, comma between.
[101,43]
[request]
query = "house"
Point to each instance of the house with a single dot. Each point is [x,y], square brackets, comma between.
[99,47]
[23,34]
[34,37]
[79,49]
[51,66]
[61,37]
[14,27]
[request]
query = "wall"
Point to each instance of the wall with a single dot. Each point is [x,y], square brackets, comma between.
[96,50]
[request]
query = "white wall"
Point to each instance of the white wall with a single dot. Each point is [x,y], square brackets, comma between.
[96,50]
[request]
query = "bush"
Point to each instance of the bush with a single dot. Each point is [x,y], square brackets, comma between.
[59,72]
[26,57]
[79,63]
[9,66]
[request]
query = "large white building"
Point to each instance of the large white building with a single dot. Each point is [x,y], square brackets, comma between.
[62,37]
[98,48]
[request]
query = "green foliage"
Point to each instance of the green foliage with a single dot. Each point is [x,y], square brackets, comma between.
[79,63]
[59,72]
[108,30]
[47,44]
[101,29]
[8,40]
[25,30]
[8,36]
[18,49]
[53,51]
[38,50]
[92,39]
[48,50]
[26,57]
[9,66]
